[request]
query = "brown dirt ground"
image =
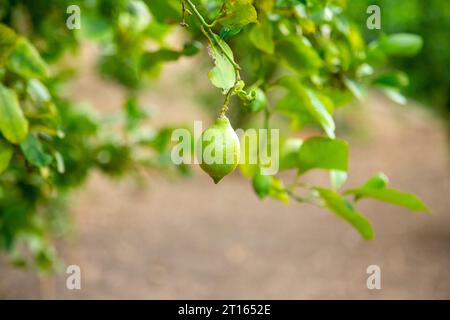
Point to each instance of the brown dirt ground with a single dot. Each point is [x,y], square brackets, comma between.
[192,240]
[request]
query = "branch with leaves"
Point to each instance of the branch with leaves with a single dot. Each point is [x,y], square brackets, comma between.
[301,61]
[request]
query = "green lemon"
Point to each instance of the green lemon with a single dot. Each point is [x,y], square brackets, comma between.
[219,149]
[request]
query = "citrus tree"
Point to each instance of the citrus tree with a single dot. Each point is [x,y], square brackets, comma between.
[429,82]
[295,60]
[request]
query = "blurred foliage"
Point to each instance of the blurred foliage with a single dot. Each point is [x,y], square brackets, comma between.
[428,70]
[300,59]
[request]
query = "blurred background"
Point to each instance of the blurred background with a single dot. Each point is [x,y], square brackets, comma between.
[185,238]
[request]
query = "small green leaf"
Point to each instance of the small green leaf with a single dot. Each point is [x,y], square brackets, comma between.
[136,18]
[191,48]
[393,196]
[13,124]
[394,94]
[318,107]
[343,209]
[6,153]
[401,44]
[223,75]
[238,13]
[320,112]
[26,61]
[277,190]
[378,181]
[38,91]
[261,36]
[356,89]
[34,152]
[152,60]
[60,166]
[323,153]
[95,28]
[377,188]
[226,33]
[7,43]
[395,79]
[289,153]
[338,178]
[298,54]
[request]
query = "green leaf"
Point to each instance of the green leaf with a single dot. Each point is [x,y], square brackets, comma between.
[95,28]
[277,190]
[392,79]
[289,153]
[226,33]
[165,10]
[26,61]
[34,152]
[356,89]
[323,153]
[136,18]
[296,53]
[377,188]
[60,165]
[338,178]
[238,13]
[401,44]
[191,48]
[261,36]
[223,74]
[38,91]
[378,181]
[13,124]
[320,112]
[6,153]
[343,209]
[393,196]
[394,94]
[318,107]
[7,43]
[151,60]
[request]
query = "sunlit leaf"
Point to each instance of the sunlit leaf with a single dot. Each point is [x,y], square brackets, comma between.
[343,209]
[301,99]
[6,153]
[323,153]
[377,188]
[298,55]
[289,153]
[261,36]
[238,13]
[13,124]
[277,190]
[223,74]
[401,44]
[8,40]
[338,178]
[34,152]
[26,61]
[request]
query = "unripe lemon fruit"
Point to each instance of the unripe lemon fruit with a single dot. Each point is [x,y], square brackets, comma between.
[218,149]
